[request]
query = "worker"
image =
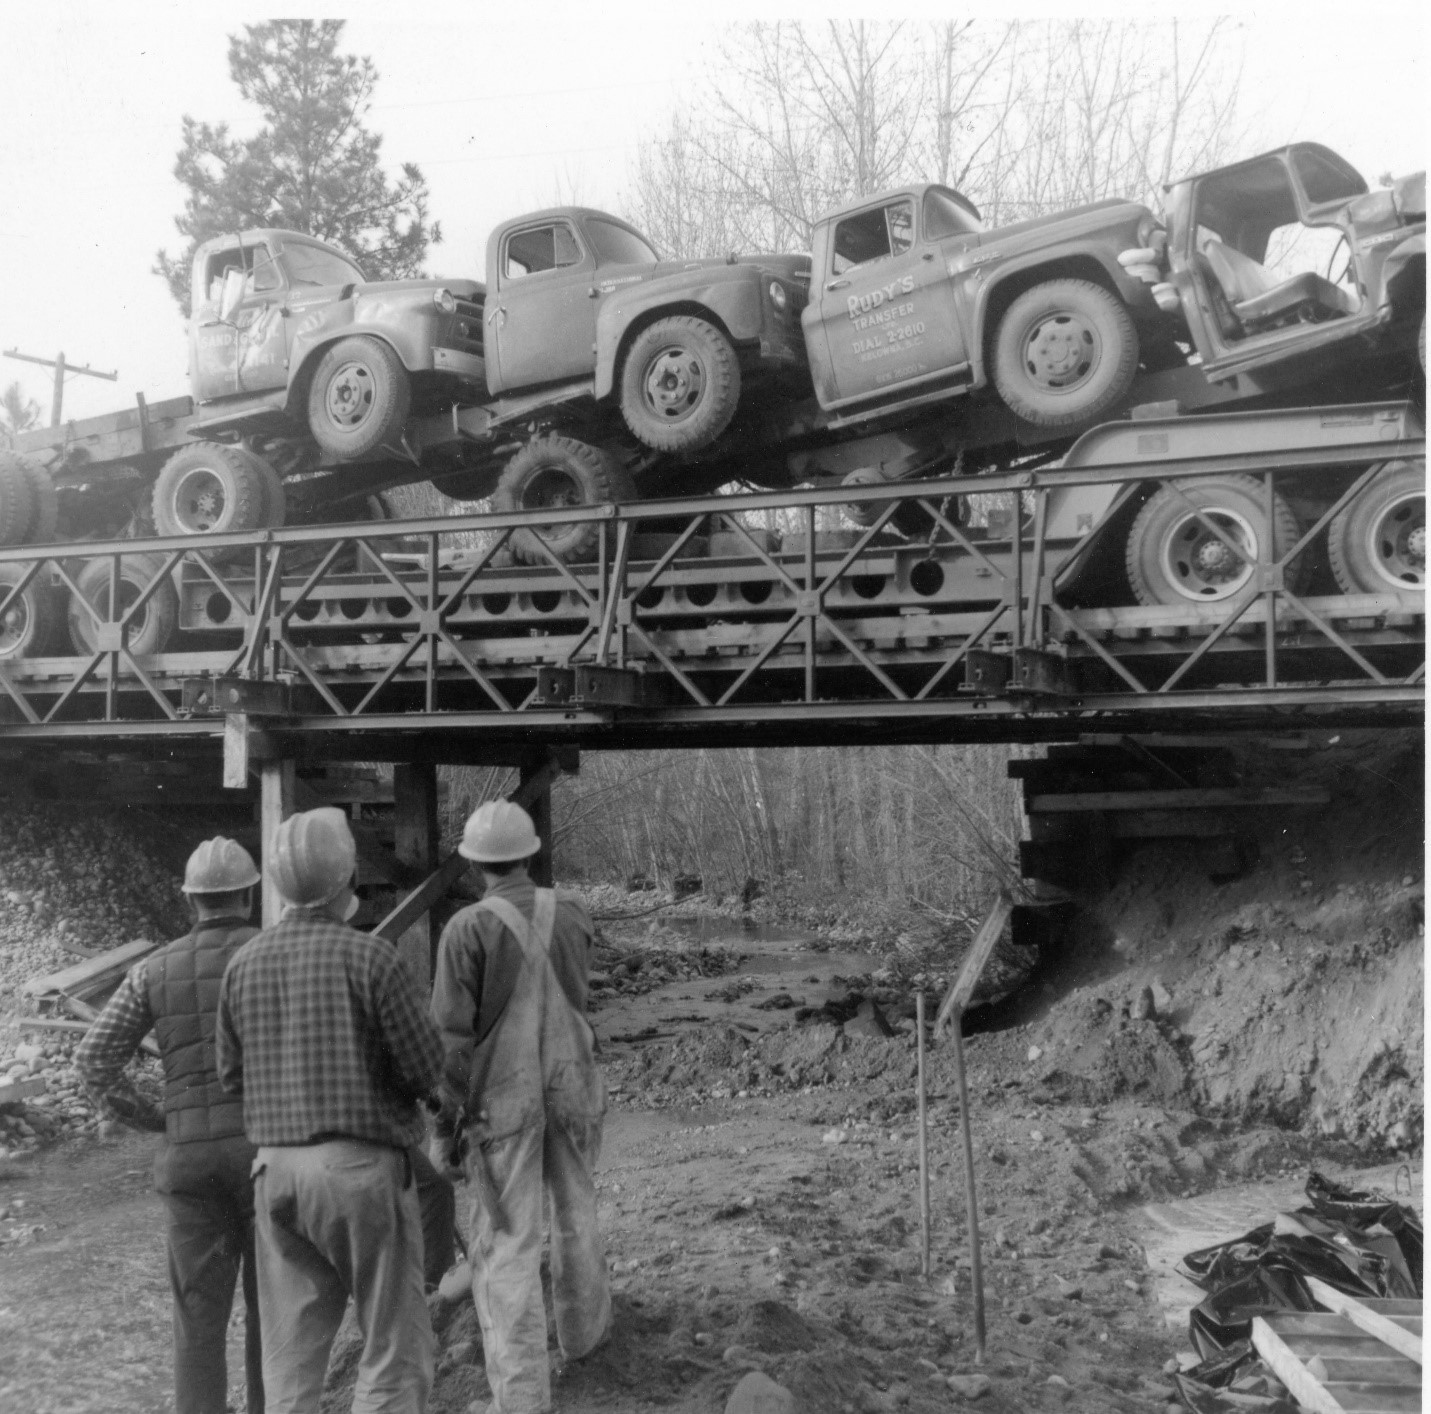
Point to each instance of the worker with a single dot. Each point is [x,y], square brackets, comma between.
[202,1170]
[522,1108]
[326,1034]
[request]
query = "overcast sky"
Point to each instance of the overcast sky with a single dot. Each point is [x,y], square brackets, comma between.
[502,115]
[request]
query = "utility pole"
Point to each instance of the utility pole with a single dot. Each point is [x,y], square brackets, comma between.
[61,368]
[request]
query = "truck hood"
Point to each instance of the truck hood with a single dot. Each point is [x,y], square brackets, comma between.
[788,267]
[1075,215]
[472,290]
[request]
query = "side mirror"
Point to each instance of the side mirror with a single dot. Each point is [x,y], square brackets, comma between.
[231,295]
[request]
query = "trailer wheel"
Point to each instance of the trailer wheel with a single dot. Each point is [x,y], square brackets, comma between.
[359,399]
[151,628]
[1174,558]
[910,518]
[1064,353]
[17,500]
[550,473]
[680,384]
[30,626]
[210,489]
[1378,542]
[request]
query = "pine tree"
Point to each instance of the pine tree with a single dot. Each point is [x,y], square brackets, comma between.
[313,166]
[18,413]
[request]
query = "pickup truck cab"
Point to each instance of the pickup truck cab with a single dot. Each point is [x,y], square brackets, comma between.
[1286,266]
[578,300]
[914,301]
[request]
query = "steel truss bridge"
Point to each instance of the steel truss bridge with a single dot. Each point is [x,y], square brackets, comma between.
[990,608]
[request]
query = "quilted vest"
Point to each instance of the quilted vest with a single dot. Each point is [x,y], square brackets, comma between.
[183,981]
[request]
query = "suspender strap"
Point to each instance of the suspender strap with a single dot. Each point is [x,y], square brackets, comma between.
[535,939]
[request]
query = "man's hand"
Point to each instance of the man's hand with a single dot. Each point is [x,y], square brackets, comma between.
[447,1152]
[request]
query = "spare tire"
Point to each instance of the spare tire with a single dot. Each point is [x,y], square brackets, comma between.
[154,625]
[553,472]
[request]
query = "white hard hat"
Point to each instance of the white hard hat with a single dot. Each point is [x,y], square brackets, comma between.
[498,831]
[219,866]
[313,856]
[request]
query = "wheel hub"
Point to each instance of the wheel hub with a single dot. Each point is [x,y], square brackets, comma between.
[1398,541]
[13,622]
[1209,554]
[674,383]
[199,502]
[350,395]
[1060,351]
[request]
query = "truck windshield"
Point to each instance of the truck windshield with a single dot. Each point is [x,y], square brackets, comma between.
[312,265]
[615,245]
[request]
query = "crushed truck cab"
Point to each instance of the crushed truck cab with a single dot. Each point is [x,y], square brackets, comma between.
[284,323]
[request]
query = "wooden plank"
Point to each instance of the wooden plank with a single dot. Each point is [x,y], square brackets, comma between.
[13,1091]
[422,898]
[276,791]
[1214,798]
[87,978]
[1390,1330]
[962,988]
[1305,1388]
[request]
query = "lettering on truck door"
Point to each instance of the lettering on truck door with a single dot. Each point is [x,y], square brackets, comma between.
[886,308]
[542,323]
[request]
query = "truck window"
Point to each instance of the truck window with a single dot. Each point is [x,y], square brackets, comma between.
[873,235]
[943,216]
[312,265]
[540,248]
[262,273]
[615,245]
[1324,180]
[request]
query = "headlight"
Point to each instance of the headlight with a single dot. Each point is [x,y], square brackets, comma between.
[445,301]
[778,297]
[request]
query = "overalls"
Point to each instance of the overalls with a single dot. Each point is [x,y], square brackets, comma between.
[540,1098]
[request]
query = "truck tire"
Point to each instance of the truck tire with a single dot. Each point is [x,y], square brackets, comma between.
[273,512]
[30,627]
[552,472]
[1172,557]
[680,384]
[359,399]
[44,499]
[152,628]
[1378,542]
[1064,353]
[210,489]
[17,500]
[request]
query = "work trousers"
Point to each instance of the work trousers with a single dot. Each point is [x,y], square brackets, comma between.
[335,1220]
[542,1162]
[437,1205]
[207,1190]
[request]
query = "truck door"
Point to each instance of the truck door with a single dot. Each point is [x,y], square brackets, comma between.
[884,315]
[248,352]
[542,323]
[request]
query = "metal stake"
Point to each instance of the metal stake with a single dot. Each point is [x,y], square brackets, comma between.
[923,1136]
[976,1266]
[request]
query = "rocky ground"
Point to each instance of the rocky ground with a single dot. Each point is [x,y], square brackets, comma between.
[759,1183]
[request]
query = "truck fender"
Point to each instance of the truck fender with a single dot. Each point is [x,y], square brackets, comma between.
[1080,261]
[305,355]
[732,304]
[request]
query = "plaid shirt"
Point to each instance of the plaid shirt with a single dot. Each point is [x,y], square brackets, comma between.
[325,1033]
[111,1040]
